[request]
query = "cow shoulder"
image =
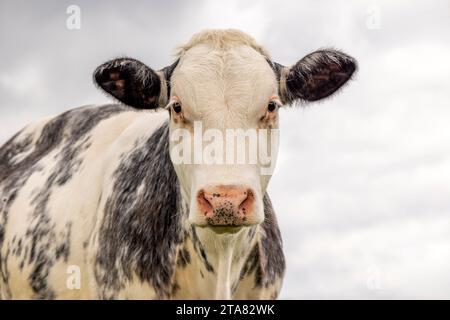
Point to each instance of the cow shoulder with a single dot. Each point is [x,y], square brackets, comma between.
[141,227]
[38,211]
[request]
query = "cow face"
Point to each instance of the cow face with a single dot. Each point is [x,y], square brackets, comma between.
[223,95]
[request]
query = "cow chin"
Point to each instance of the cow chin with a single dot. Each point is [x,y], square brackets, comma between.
[198,220]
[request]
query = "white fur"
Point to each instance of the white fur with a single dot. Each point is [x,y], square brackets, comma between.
[225,85]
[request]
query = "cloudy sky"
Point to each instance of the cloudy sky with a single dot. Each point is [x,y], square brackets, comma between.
[362,187]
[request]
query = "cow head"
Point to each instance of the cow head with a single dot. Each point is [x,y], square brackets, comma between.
[223,94]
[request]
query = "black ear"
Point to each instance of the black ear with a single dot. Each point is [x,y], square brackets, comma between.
[316,76]
[131,82]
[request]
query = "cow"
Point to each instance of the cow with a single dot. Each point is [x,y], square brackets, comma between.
[93,205]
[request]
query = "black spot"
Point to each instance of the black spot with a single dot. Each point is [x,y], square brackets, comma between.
[198,246]
[63,248]
[184,258]
[67,132]
[251,263]
[142,227]
[266,258]
[175,288]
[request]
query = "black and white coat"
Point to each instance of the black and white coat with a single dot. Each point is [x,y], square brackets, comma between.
[94,188]
[92,207]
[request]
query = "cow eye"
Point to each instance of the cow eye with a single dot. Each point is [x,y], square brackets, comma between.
[272,106]
[176,107]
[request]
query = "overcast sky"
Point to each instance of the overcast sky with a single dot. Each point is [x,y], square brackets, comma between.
[363,179]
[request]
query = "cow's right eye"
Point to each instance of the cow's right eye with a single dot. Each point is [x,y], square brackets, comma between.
[176,107]
[272,106]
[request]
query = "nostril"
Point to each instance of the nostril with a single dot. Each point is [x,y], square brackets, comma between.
[204,204]
[247,204]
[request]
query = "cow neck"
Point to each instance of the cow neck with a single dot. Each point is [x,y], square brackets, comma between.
[226,255]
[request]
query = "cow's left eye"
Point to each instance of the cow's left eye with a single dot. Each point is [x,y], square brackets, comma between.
[272,106]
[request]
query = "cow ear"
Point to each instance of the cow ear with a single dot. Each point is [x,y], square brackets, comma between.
[131,82]
[316,76]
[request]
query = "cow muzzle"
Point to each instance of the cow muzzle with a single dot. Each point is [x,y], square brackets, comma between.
[226,207]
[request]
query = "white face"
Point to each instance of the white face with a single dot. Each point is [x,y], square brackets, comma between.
[217,92]
[223,82]
[213,91]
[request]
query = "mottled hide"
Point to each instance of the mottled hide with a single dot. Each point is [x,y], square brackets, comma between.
[139,244]
[142,227]
[93,204]
[39,245]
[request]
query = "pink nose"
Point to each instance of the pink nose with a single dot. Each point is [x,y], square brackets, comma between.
[228,205]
